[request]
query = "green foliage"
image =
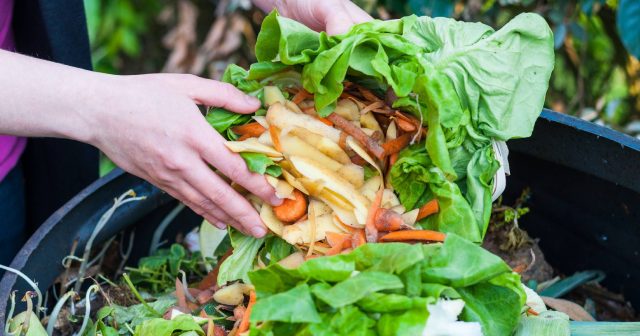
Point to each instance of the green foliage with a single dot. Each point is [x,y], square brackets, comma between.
[469,83]
[157,273]
[595,75]
[370,289]
[261,164]
[117,30]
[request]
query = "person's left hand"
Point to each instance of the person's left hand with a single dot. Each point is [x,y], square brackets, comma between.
[333,16]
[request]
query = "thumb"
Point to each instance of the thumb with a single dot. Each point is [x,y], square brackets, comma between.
[343,20]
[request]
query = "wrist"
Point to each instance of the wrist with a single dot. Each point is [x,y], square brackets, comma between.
[98,96]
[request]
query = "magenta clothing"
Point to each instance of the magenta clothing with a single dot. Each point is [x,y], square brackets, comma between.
[10,147]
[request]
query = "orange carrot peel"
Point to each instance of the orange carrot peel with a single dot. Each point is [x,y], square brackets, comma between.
[428,209]
[358,238]
[244,325]
[251,130]
[388,220]
[357,133]
[396,145]
[413,235]
[275,138]
[338,242]
[291,209]
[370,226]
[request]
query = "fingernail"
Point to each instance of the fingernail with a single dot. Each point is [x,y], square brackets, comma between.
[275,201]
[251,100]
[220,225]
[258,231]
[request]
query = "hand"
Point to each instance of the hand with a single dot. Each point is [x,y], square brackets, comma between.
[152,128]
[333,16]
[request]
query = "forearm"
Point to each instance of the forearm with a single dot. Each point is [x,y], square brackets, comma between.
[41,98]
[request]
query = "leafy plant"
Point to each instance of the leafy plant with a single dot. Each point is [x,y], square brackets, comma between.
[158,272]
[118,30]
[597,73]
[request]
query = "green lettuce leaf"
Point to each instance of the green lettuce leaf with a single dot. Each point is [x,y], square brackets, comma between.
[161,327]
[460,263]
[388,257]
[417,180]
[293,306]
[261,164]
[222,121]
[357,287]
[497,308]
[385,303]
[410,322]
[238,265]
[469,84]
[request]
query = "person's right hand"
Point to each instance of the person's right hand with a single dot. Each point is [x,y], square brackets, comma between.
[151,127]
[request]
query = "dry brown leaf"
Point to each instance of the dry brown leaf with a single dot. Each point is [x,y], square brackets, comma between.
[575,311]
[181,40]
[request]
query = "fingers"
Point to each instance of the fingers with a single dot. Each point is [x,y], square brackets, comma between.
[191,198]
[210,92]
[234,167]
[340,21]
[217,192]
[219,94]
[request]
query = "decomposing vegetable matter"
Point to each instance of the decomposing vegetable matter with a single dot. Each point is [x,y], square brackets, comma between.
[380,141]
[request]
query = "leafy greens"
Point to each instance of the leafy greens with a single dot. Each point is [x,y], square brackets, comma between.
[303,301]
[471,85]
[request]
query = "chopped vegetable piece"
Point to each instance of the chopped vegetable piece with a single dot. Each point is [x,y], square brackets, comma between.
[428,209]
[275,138]
[300,96]
[358,238]
[325,121]
[388,220]
[273,95]
[413,235]
[396,145]
[244,325]
[291,209]
[253,129]
[370,144]
[370,227]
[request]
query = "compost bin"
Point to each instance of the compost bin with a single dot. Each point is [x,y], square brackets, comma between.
[585,209]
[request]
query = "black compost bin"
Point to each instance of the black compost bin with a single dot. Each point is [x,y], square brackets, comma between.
[585,208]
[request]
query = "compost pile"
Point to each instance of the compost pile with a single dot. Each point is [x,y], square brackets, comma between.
[384,144]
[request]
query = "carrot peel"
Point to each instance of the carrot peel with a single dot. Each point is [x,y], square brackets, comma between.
[388,220]
[428,209]
[291,209]
[244,325]
[275,138]
[413,235]
[370,227]
[253,129]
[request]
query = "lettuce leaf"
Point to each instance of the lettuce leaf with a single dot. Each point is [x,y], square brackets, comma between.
[469,84]
[161,327]
[261,164]
[240,262]
[357,287]
[394,298]
[293,306]
[461,263]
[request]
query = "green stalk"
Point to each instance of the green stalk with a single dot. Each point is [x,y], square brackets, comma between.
[138,296]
